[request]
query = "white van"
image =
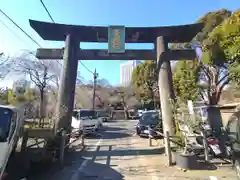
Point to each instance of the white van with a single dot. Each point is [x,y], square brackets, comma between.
[85,120]
[11,128]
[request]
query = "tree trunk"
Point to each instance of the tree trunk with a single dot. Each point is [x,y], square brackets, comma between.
[41,108]
[213,99]
[153,99]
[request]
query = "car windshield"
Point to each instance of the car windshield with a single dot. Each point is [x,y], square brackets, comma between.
[76,114]
[149,118]
[5,120]
[87,114]
[102,114]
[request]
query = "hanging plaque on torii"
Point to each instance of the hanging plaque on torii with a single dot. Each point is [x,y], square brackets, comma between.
[116,39]
[73,35]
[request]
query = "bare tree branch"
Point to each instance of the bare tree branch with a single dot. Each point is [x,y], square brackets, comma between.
[40,72]
[219,91]
[223,79]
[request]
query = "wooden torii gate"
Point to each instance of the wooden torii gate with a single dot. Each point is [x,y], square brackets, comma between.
[73,35]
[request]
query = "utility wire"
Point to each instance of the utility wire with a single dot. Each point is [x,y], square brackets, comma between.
[50,18]
[49,14]
[47,10]
[86,67]
[10,19]
[14,33]
[29,35]
[20,28]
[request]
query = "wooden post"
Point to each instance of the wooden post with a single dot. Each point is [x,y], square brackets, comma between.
[67,86]
[205,145]
[169,153]
[149,137]
[62,147]
[82,140]
[24,141]
[165,91]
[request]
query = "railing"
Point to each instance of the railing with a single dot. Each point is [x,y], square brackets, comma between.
[167,139]
[63,145]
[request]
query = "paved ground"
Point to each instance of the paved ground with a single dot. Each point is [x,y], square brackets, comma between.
[117,153]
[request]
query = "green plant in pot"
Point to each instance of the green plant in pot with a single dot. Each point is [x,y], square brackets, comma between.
[186,125]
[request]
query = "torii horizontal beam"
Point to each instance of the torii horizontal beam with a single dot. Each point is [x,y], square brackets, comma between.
[173,34]
[83,54]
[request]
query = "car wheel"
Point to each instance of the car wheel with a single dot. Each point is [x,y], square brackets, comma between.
[97,128]
[138,131]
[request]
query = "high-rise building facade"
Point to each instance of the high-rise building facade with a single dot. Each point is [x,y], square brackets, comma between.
[126,70]
[19,86]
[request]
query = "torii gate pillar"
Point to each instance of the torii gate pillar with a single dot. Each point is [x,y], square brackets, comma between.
[67,84]
[165,90]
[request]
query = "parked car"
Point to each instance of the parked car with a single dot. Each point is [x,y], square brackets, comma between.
[140,112]
[152,120]
[85,120]
[11,129]
[103,116]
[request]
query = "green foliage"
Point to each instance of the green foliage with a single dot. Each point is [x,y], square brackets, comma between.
[14,99]
[231,45]
[144,79]
[19,99]
[211,21]
[3,96]
[220,40]
[185,80]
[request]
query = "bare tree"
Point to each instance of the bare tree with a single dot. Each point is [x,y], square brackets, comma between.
[83,97]
[4,66]
[214,79]
[41,72]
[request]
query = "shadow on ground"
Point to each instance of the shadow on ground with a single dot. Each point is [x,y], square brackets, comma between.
[98,171]
[48,169]
[73,161]
[18,166]
[107,128]
[115,135]
[107,135]
[127,152]
[203,165]
[24,165]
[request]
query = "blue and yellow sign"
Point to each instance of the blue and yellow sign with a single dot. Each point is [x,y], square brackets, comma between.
[116,39]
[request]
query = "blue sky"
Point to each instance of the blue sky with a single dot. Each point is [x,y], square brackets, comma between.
[99,12]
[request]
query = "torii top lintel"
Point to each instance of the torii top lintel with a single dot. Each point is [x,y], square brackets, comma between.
[58,32]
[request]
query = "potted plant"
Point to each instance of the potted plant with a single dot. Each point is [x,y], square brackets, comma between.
[186,124]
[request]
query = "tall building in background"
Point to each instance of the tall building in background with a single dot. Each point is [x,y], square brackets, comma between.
[126,71]
[19,86]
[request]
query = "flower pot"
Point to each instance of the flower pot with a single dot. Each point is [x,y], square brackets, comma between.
[186,161]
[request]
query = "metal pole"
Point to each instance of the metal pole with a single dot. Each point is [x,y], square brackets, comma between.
[94,88]
[165,92]
[67,85]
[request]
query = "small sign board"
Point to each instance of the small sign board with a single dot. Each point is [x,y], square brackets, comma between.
[116,39]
